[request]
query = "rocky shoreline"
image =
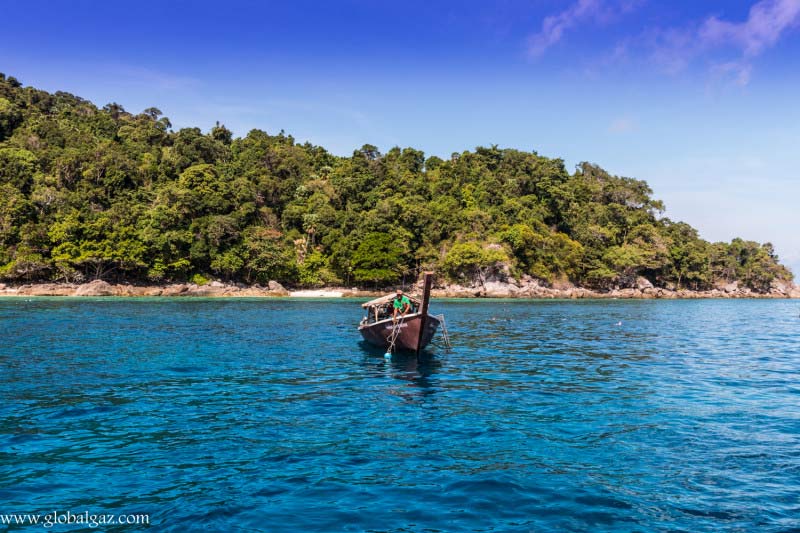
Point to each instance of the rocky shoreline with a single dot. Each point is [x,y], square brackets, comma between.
[643,290]
[527,288]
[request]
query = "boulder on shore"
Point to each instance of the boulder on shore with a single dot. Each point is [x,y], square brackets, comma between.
[175,290]
[277,289]
[194,289]
[781,287]
[97,287]
[731,287]
[46,289]
[498,289]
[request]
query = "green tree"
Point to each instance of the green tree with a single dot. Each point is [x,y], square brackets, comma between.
[379,259]
[90,192]
[268,256]
[473,260]
[10,118]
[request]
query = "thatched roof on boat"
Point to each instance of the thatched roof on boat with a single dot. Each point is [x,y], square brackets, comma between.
[388,298]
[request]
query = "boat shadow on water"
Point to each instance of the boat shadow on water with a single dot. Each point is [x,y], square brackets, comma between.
[403,365]
[426,356]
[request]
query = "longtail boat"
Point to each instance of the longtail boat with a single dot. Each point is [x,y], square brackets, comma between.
[411,332]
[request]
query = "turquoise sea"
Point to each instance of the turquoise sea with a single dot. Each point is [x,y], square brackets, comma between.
[269,415]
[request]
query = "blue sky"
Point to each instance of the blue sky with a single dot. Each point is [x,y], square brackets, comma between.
[700,99]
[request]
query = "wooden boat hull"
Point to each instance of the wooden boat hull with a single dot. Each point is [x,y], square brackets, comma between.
[379,333]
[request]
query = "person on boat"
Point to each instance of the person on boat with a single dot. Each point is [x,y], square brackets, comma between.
[402,304]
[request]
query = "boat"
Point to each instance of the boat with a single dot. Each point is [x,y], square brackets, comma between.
[411,332]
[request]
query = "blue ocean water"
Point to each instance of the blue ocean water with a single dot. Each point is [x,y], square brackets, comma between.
[269,415]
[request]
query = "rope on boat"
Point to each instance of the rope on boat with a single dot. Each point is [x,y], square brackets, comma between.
[445,335]
[394,334]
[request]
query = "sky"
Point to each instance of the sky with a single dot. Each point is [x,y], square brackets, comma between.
[699,99]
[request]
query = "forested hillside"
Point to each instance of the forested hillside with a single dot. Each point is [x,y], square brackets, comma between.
[88,193]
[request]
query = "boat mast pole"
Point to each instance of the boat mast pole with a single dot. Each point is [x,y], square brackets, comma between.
[423,311]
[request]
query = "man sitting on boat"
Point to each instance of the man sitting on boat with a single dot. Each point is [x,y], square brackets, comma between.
[402,304]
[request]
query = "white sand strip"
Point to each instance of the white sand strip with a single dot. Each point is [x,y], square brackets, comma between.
[316,294]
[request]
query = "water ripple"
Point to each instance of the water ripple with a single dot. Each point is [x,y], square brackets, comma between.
[252,415]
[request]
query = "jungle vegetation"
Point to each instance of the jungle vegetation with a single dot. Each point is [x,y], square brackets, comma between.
[101,193]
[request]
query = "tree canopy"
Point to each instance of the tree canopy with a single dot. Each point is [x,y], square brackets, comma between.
[103,193]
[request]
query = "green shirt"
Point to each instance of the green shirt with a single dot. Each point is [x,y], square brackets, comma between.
[401,303]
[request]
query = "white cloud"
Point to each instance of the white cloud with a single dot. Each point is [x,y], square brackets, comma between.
[737,71]
[554,26]
[674,49]
[592,11]
[766,22]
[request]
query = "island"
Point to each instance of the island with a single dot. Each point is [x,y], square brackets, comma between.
[100,201]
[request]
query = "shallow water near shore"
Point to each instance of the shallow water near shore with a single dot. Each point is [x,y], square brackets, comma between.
[254,415]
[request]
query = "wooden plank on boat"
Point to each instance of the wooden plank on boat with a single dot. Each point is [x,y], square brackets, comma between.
[423,312]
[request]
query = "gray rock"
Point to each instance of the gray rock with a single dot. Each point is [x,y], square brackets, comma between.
[498,289]
[46,289]
[250,291]
[97,287]
[780,287]
[275,286]
[731,287]
[643,283]
[175,290]
[148,291]
[204,290]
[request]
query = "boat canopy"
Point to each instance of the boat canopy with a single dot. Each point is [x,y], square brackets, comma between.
[388,298]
